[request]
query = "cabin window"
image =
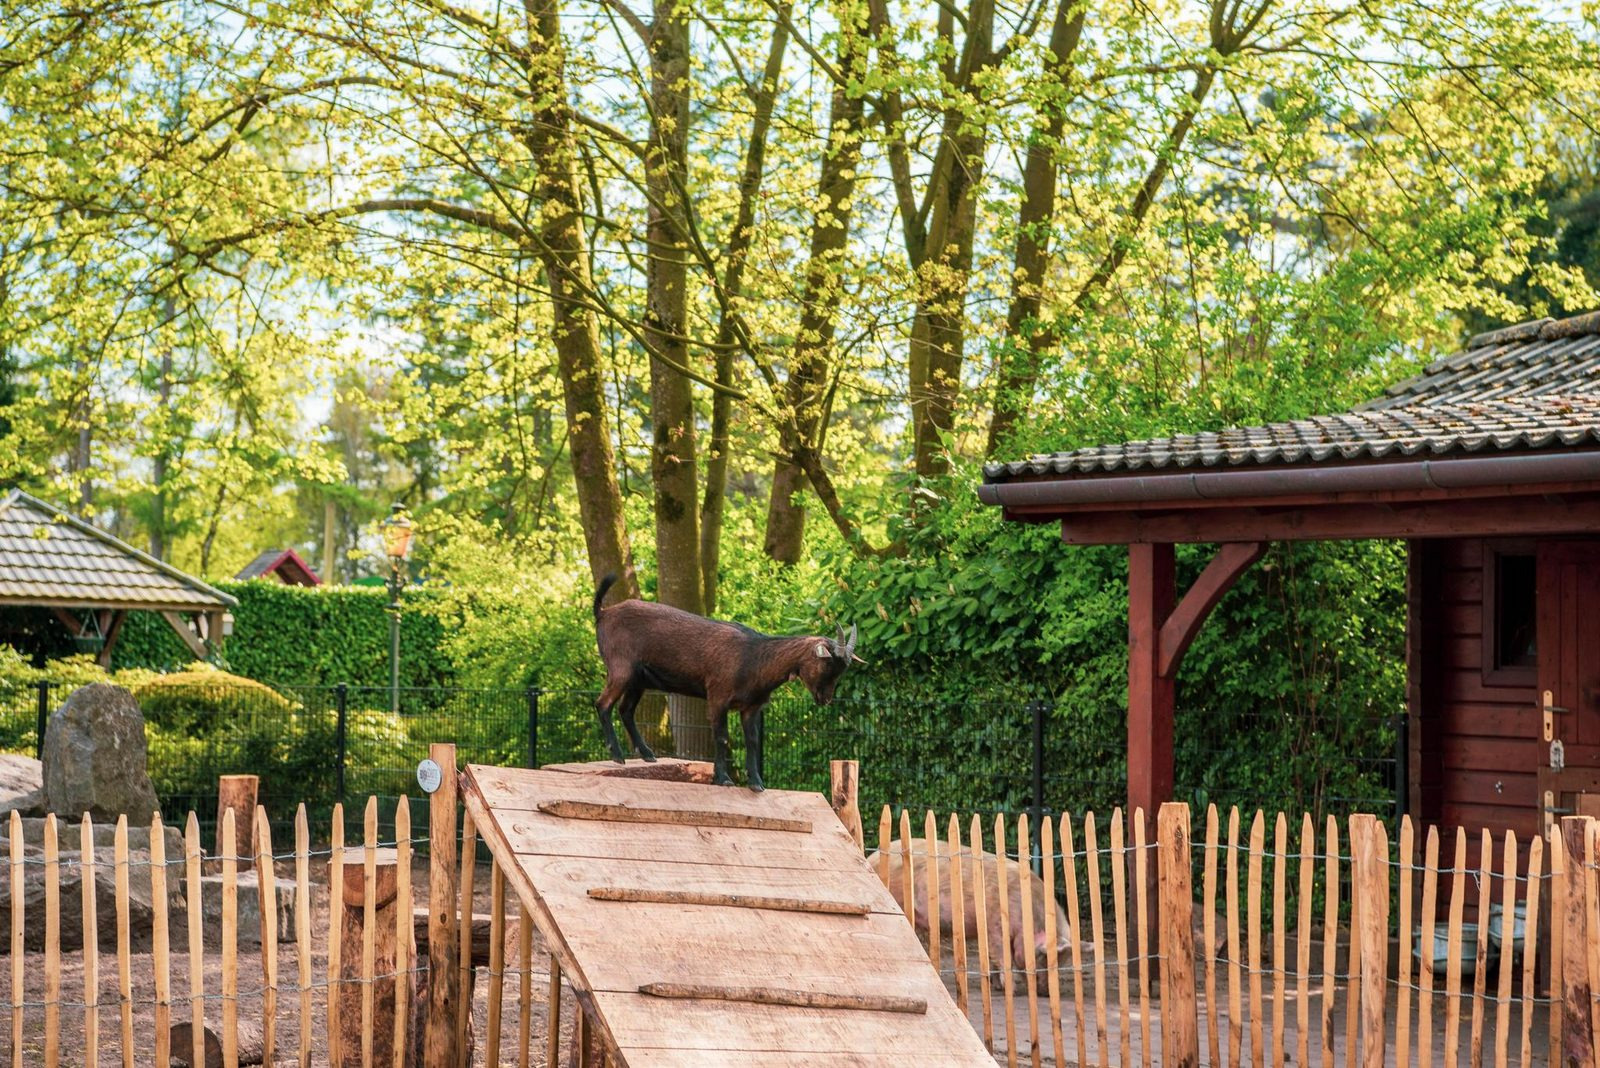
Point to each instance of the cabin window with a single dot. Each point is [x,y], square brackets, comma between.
[1513,618]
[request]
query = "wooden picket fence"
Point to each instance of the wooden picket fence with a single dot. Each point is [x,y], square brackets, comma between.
[1367,901]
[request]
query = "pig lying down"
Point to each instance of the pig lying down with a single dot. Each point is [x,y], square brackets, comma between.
[987,864]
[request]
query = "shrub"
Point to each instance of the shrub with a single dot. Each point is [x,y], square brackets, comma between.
[202,699]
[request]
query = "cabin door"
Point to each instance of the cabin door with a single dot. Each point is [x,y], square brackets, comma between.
[1568,650]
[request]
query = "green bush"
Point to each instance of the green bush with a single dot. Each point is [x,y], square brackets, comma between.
[204,700]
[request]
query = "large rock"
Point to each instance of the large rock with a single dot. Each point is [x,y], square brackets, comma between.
[95,759]
[141,906]
[21,784]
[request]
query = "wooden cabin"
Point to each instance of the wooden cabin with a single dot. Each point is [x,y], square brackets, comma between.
[1487,465]
[285,565]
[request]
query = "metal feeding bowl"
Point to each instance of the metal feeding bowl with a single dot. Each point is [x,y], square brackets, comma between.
[1519,926]
[1441,947]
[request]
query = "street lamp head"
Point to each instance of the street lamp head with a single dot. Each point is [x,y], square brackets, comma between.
[397,532]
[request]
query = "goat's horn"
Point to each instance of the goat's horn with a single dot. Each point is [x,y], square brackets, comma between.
[850,643]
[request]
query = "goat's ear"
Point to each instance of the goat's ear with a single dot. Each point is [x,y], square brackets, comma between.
[823,652]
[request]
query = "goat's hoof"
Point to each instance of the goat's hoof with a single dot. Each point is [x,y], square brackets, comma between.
[757,787]
[647,756]
[618,758]
[722,780]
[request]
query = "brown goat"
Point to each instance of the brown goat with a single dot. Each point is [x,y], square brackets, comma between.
[648,646]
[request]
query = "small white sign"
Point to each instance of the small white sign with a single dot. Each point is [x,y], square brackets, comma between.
[429,776]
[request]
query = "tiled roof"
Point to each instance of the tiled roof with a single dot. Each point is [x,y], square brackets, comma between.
[47,556]
[1527,387]
[285,563]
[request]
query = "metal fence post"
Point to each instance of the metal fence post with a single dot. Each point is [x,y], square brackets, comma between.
[1037,711]
[1402,771]
[533,726]
[341,695]
[44,716]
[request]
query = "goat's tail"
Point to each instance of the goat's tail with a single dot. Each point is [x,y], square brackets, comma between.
[600,593]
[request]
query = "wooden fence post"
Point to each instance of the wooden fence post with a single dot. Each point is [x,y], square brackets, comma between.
[1369,882]
[1577,1037]
[843,783]
[1180,1028]
[237,794]
[444,983]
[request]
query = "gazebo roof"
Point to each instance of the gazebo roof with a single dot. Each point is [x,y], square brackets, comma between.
[1528,387]
[53,559]
[1500,439]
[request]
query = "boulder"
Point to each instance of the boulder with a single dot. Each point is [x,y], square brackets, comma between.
[95,758]
[21,784]
[141,910]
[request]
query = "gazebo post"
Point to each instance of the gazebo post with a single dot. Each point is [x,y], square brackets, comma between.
[1152,590]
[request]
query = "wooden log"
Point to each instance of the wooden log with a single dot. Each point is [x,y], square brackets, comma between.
[1180,1036]
[1369,850]
[644,895]
[1430,905]
[52,944]
[1091,856]
[267,906]
[1208,949]
[930,879]
[1258,832]
[1075,934]
[1119,910]
[552,1015]
[444,982]
[403,1042]
[230,941]
[844,781]
[302,928]
[18,931]
[958,914]
[1052,934]
[1280,966]
[160,941]
[1480,960]
[1402,1037]
[1141,895]
[802,999]
[1508,914]
[1028,963]
[981,918]
[372,940]
[593,810]
[1577,1037]
[237,794]
[664,769]
[336,883]
[463,906]
[91,944]
[497,962]
[119,860]
[1330,939]
[1530,942]
[524,988]
[1235,947]
[197,941]
[250,1049]
[1008,964]
[1452,979]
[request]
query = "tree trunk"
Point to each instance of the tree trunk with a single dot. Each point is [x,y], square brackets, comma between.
[1025,335]
[576,334]
[939,329]
[762,99]
[806,390]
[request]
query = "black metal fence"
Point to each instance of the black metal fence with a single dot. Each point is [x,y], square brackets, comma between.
[321,745]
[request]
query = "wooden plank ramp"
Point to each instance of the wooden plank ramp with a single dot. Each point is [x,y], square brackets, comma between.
[678,913]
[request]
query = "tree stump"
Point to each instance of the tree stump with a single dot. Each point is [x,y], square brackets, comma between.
[250,1045]
[352,916]
[238,792]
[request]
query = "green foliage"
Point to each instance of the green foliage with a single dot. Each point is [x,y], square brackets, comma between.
[202,700]
[309,636]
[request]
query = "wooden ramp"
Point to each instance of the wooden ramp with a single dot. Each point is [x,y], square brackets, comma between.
[705,925]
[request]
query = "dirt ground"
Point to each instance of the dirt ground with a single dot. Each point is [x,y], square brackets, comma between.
[73,1023]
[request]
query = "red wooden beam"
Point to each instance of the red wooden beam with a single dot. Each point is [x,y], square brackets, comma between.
[1501,517]
[1151,592]
[1217,579]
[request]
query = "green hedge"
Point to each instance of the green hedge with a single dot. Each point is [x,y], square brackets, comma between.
[307,636]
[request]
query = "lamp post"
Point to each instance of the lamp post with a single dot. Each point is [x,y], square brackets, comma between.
[397,532]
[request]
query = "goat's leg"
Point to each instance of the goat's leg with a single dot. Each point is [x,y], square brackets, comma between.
[751,722]
[602,706]
[630,701]
[724,754]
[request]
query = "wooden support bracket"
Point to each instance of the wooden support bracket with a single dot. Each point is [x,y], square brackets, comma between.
[1180,628]
[181,627]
